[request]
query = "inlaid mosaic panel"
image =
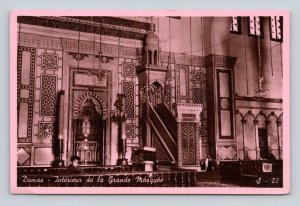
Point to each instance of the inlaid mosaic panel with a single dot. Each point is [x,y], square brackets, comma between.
[46,132]
[49,61]
[226,153]
[188,144]
[198,95]
[192,144]
[25,83]
[128,69]
[168,96]
[128,90]
[48,82]
[48,95]
[198,76]
[23,156]
[130,131]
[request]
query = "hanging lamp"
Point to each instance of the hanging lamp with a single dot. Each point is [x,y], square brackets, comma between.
[261,90]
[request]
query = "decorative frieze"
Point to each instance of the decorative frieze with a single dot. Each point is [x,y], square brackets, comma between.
[184,109]
[220,61]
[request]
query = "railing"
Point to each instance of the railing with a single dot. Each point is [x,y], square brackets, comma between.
[168,119]
[163,134]
[86,169]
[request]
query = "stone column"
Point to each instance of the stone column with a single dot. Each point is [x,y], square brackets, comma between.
[243,130]
[60,137]
[279,123]
[256,139]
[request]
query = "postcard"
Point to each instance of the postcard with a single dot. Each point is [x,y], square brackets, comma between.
[149,102]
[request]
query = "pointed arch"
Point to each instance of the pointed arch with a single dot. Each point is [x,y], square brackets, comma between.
[250,136]
[156,93]
[240,134]
[79,102]
[273,114]
[273,135]
[261,119]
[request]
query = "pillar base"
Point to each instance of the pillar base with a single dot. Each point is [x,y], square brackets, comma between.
[122,162]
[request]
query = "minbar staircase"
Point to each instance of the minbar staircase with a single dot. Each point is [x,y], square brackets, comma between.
[163,123]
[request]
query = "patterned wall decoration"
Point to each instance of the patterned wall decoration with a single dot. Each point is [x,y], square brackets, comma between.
[199,97]
[27,75]
[48,81]
[24,156]
[46,131]
[48,95]
[128,69]
[49,61]
[128,85]
[188,144]
[80,96]
[226,153]
[130,131]
[168,96]
[198,76]
[128,90]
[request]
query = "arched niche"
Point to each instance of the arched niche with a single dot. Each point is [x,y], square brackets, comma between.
[273,136]
[250,138]
[89,132]
[262,136]
[239,135]
[156,93]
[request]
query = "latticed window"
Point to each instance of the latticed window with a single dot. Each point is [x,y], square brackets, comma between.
[235,26]
[276,25]
[255,26]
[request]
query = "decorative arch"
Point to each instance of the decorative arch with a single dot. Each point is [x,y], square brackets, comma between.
[80,101]
[272,114]
[273,135]
[240,134]
[249,113]
[261,119]
[156,93]
[250,136]
[157,81]
[280,117]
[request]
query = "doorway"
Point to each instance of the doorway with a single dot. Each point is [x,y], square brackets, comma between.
[156,94]
[263,143]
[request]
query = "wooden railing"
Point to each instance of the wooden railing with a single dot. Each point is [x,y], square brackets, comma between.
[62,170]
[164,137]
[168,119]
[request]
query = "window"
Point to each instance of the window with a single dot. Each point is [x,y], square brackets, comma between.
[235,26]
[255,26]
[276,25]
